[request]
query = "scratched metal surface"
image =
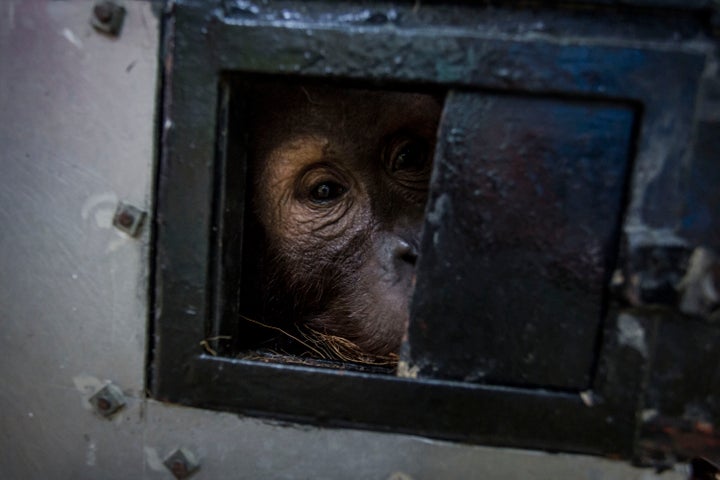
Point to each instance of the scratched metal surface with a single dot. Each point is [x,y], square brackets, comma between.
[525,270]
[76,136]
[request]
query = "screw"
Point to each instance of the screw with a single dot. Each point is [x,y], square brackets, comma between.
[107,17]
[182,463]
[108,400]
[128,219]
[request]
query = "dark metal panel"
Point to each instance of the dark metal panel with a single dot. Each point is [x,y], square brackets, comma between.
[520,236]
[457,57]
[450,410]
[601,420]
[653,76]
[679,4]
[183,214]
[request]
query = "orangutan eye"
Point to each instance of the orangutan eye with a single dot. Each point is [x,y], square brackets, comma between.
[411,155]
[326,191]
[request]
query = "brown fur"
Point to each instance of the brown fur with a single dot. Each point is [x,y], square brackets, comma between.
[342,267]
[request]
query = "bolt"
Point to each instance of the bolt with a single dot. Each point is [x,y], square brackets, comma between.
[179,469]
[103,404]
[108,400]
[107,17]
[182,463]
[125,219]
[128,219]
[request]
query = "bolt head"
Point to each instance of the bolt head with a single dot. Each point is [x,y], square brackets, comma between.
[107,17]
[125,219]
[182,463]
[179,469]
[129,219]
[108,400]
[104,404]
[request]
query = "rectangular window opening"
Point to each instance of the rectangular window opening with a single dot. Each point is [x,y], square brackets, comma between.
[321,207]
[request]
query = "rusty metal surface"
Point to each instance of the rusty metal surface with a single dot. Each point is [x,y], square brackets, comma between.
[681,411]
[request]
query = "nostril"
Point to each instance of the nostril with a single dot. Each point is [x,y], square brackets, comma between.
[406,252]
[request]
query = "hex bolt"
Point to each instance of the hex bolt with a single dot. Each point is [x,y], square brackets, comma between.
[108,400]
[182,463]
[129,219]
[107,17]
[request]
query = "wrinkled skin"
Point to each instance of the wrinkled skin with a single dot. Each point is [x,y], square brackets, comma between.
[340,180]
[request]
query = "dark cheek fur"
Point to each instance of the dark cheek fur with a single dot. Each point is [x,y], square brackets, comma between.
[304,282]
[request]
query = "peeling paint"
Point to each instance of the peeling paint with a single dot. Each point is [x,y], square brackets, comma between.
[641,235]
[631,334]
[406,371]
[587,398]
[648,414]
[700,295]
[441,205]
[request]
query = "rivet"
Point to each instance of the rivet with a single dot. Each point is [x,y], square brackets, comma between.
[108,400]
[182,463]
[129,219]
[107,17]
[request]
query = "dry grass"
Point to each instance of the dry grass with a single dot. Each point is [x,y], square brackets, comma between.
[328,347]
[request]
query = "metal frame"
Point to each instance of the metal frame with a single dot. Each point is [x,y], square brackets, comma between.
[204,40]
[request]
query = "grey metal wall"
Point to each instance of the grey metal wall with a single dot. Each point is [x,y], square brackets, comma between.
[76,137]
